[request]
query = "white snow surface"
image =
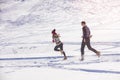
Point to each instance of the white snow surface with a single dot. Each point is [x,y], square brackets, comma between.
[27,51]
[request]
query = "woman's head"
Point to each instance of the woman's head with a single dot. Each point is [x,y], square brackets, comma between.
[54,31]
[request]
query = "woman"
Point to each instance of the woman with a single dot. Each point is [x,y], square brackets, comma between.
[59,44]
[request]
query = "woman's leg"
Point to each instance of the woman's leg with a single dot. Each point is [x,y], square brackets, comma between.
[56,48]
[61,48]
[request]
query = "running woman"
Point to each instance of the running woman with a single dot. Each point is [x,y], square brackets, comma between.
[59,44]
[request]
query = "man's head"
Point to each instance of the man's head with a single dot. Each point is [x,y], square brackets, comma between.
[83,23]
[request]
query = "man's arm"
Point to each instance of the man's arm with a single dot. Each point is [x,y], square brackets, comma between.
[84,33]
[53,39]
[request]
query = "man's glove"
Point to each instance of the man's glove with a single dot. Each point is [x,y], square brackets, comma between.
[90,36]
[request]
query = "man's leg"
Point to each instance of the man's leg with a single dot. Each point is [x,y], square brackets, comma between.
[82,50]
[92,49]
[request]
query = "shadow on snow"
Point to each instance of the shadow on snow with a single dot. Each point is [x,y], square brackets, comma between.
[53,62]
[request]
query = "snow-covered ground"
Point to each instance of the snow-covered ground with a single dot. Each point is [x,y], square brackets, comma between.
[26,50]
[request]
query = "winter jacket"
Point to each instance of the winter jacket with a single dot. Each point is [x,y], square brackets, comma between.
[56,39]
[86,32]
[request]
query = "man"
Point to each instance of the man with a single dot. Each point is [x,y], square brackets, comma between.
[86,40]
[59,44]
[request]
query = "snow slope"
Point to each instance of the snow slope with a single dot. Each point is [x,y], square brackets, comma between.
[25,39]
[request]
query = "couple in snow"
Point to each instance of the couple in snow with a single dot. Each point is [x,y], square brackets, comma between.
[85,41]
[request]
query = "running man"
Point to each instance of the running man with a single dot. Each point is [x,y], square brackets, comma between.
[59,44]
[86,40]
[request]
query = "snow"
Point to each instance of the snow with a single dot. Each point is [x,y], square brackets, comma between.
[44,73]
[26,48]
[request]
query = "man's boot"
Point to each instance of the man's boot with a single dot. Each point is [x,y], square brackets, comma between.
[98,53]
[82,58]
